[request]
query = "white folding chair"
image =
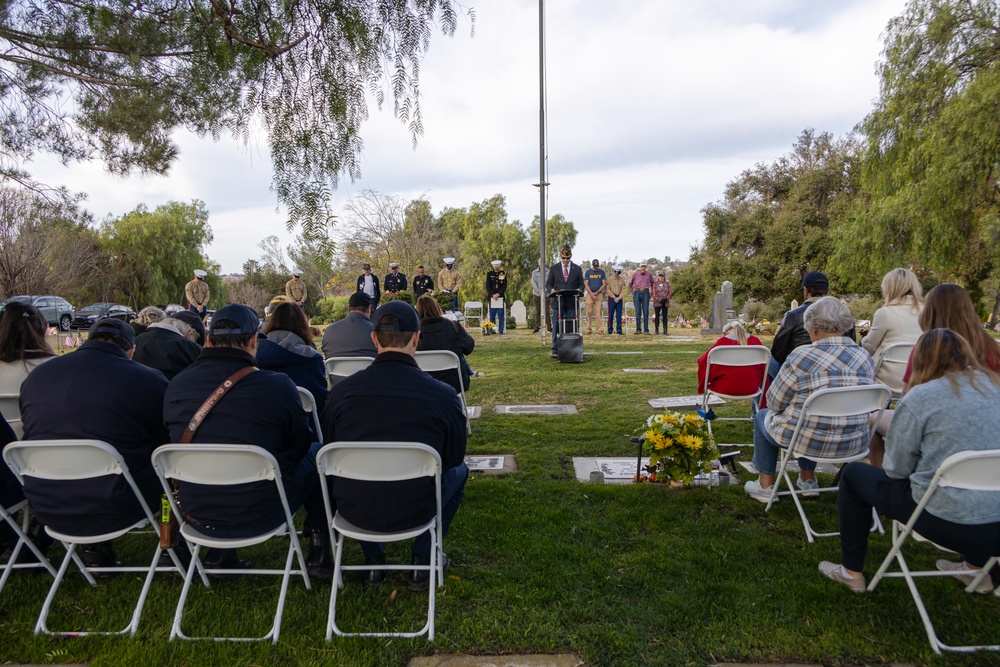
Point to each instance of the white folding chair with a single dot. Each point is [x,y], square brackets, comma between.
[735,355]
[474,311]
[444,360]
[381,462]
[629,314]
[11,411]
[970,470]
[833,403]
[895,356]
[337,368]
[68,460]
[309,405]
[227,465]
[9,516]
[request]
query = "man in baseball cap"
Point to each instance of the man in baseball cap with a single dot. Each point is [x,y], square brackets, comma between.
[792,333]
[423,410]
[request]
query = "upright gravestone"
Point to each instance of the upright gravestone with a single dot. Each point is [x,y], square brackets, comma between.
[717,318]
[795,304]
[727,297]
[519,313]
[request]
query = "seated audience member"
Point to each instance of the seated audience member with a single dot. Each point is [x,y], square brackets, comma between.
[165,346]
[947,306]
[197,334]
[426,411]
[895,322]
[351,336]
[10,494]
[733,380]
[146,316]
[261,408]
[289,349]
[22,344]
[932,422]
[439,333]
[98,393]
[832,360]
[791,333]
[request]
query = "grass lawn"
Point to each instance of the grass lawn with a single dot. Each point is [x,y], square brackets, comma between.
[621,575]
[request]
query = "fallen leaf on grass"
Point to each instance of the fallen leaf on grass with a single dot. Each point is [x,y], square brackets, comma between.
[393,596]
[455,577]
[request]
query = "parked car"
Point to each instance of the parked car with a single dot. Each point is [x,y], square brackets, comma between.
[58,311]
[87,315]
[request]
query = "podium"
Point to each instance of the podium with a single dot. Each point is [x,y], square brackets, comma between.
[569,340]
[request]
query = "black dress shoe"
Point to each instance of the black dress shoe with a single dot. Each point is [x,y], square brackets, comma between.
[224,559]
[100,554]
[420,579]
[319,561]
[374,578]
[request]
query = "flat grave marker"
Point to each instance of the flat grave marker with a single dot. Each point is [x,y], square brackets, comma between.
[683,402]
[624,353]
[474,411]
[621,470]
[645,370]
[492,464]
[536,410]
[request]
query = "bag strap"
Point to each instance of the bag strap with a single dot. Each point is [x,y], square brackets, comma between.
[210,402]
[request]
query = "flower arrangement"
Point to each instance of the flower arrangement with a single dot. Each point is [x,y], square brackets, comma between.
[488,328]
[679,447]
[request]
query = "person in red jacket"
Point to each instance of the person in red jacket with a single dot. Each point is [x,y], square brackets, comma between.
[733,380]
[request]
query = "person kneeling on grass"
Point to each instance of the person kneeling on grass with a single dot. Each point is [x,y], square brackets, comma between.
[953,406]
[832,360]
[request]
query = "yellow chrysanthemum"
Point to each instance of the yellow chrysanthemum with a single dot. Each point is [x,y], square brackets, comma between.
[664,443]
[671,419]
[691,442]
[693,419]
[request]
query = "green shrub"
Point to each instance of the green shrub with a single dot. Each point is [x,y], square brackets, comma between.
[511,322]
[332,308]
[864,307]
[405,296]
[445,299]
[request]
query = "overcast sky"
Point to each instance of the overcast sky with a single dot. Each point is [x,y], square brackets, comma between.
[653,106]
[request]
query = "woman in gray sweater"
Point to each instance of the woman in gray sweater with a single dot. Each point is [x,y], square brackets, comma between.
[953,405]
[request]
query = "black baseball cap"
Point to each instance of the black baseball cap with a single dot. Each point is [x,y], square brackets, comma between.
[815,279]
[359,300]
[242,318]
[404,312]
[114,328]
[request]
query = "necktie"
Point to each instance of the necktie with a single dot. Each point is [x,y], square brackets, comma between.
[565,273]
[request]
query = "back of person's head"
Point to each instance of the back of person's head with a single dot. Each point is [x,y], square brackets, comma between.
[901,286]
[395,323]
[182,327]
[289,317]
[234,326]
[829,315]
[359,303]
[427,306]
[948,306]
[816,284]
[944,353]
[737,330]
[112,331]
[194,322]
[22,333]
[149,315]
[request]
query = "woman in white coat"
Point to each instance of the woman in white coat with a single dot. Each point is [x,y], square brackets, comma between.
[895,322]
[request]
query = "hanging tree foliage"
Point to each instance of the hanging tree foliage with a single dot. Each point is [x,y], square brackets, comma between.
[929,194]
[136,70]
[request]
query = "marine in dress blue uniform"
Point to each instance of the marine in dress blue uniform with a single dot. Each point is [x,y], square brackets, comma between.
[394,280]
[496,290]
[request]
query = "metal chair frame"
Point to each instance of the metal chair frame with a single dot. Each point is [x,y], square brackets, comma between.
[735,355]
[338,368]
[443,360]
[473,311]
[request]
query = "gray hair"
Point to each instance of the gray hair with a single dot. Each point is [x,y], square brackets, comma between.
[183,328]
[828,314]
[150,314]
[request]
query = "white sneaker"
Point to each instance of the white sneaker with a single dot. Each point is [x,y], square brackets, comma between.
[757,492]
[966,575]
[809,487]
[835,572]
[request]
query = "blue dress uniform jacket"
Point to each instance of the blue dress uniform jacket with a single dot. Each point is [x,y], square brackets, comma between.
[422,285]
[393,400]
[95,393]
[394,283]
[262,409]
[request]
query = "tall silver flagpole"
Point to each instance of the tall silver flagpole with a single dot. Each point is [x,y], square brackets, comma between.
[542,183]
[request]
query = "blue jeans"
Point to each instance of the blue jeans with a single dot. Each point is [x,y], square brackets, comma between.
[773,366]
[863,487]
[615,314]
[452,491]
[765,448]
[641,300]
[498,317]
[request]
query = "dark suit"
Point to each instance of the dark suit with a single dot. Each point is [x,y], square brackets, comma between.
[557,282]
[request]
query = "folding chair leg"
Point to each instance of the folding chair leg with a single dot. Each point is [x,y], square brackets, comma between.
[20,533]
[43,616]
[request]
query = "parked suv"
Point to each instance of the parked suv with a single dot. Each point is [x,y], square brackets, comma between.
[57,310]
